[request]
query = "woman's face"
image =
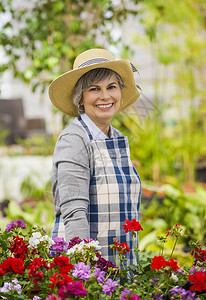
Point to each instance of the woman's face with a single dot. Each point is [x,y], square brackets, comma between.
[102,100]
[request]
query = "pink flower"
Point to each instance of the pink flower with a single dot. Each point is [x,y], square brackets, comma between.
[81,271]
[99,274]
[109,287]
[60,245]
[15,224]
[72,288]
[53,297]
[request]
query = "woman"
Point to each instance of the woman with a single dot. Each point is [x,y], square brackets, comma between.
[95,184]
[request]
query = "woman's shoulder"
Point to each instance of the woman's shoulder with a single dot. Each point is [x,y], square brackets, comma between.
[73,144]
[73,137]
[74,128]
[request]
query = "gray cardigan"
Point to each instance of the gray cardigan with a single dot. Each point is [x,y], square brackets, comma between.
[73,163]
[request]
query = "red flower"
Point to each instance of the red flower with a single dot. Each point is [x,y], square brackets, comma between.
[132,225]
[176,231]
[63,264]
[59,280]
[35,269]
[172,264]
[125,247]
[158,262]
[168,229]
[120,247]
[13,264]
[38,263]
[2,272]
[199,281]
[200,254]
[18,247]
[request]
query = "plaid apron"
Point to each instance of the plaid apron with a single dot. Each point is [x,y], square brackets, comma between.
[115,191]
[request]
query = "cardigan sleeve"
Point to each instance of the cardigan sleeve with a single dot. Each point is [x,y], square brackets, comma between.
[72,166]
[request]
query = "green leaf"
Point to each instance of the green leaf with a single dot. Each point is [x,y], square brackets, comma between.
[58,6]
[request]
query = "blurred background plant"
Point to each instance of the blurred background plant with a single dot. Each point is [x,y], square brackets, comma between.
[3,134]
[38,145]
[37,206]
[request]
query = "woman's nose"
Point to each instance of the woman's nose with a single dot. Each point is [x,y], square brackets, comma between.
[104,94]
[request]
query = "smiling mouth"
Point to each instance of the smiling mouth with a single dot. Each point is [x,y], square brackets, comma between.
[105,105]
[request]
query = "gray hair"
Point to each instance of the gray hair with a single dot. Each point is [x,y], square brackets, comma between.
[93,76]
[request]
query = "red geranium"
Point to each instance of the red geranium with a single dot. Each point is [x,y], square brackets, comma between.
[200,254]
[59,280]
[132,225]
[63,264]
[18,247]
[124,247]
[35,269]
[2,272]
[172,264]
[120,247]
[199,281]
[13,264]
[158,262]
[176,231]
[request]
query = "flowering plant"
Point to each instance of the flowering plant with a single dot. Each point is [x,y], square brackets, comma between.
[53,269]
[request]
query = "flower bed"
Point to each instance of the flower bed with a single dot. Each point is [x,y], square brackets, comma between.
[33,266]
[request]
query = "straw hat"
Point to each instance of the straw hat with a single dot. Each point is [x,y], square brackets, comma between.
[61,89]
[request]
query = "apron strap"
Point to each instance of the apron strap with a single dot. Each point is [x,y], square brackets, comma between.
[86,128]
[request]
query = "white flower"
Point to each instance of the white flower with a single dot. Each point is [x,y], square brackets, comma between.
[34,239]
[37,238]
[94,244]
[36,235]
[82,247]
[70,251]
[36,298]
[48,240]
[95,258]
[76,248]
[174,277]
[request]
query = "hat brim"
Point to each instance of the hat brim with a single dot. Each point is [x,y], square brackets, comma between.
[61,89]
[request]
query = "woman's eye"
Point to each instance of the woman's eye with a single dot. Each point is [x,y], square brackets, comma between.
[112,87]
[93,89]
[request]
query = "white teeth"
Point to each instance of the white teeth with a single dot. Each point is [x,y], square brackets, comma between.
[104,106]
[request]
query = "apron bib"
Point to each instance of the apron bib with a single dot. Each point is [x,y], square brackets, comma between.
[115,191]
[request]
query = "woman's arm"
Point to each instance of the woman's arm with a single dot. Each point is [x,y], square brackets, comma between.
[72,188]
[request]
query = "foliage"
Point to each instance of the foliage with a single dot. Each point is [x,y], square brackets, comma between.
[48,35]
[37,145]
[165,152]
[147,146]
[3,135]
[39,212]
[31,261]
[175,31]
[37,206]
[174,206]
